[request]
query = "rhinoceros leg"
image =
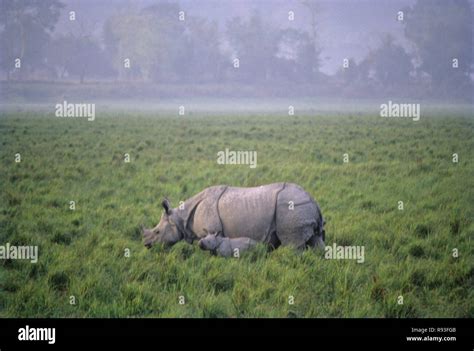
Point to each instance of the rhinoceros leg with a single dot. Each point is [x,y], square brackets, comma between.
[316,241]
[298,237]
[296,217]
[273,241]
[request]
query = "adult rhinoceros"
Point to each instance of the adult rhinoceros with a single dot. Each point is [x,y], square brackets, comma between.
[275,214]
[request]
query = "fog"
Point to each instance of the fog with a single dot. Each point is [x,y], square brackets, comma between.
[268,51]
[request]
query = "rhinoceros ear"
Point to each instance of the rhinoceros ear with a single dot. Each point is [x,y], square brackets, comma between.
[166,205]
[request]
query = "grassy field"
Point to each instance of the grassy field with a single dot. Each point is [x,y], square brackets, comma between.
[82,252]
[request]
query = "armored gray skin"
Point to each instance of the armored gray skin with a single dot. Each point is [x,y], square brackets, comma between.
[225,247]
[275,214]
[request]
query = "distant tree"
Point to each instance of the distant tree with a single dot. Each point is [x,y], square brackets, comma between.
[297,48]
[385,70]
[60,52]
[134,37]
[390,63]
[199,58]
[352,74]
[255,44]
[167,31]
[79,56]
[442,32]
[312,50]
[78,52]
[25,29]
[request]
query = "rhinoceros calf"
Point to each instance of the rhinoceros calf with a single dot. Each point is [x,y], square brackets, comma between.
[226,247]
[275,214]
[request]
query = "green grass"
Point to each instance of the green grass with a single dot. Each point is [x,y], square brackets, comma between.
[81,252]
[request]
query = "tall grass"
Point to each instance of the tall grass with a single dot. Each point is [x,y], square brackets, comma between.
[82,253]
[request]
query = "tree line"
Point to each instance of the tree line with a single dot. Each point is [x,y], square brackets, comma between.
[156,45]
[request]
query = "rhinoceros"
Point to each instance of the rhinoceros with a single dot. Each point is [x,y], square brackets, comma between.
[274,214]
[226,247]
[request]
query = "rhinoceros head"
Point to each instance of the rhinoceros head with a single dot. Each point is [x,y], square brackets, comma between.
[166,231]
[210,242]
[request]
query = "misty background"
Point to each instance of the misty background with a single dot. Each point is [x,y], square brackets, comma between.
[153,50]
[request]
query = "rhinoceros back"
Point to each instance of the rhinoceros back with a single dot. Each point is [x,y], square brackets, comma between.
[249,212]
